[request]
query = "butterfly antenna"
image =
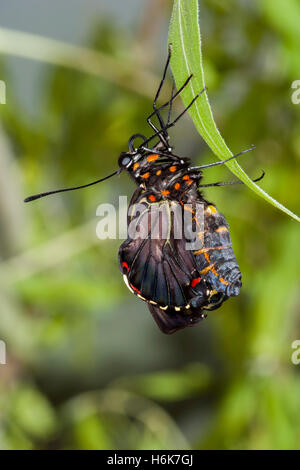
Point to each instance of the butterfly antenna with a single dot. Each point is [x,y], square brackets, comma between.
[48,193]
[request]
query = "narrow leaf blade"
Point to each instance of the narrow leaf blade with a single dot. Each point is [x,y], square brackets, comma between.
[185,38]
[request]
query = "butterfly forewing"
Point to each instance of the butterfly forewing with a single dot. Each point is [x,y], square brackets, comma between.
[178,283]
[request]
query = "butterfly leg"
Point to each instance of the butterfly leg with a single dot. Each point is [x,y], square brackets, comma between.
[169,103]
[171,124]
[156,111]
[228,183]
[161,134]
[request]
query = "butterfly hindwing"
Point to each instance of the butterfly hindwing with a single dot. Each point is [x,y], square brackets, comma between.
[170,321]
[153,265]
[177,283]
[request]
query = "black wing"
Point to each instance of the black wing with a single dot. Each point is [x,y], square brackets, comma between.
[176,282]
[155,264]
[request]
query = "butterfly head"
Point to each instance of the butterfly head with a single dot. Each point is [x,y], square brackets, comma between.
[125,160]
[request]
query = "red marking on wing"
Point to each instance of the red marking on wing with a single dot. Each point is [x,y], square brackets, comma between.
[195,281]
[135,289]
[125,265]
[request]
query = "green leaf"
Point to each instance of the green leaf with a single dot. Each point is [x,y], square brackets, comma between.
[52,51]
[186,59]
[171,385]
[33,413]
[91,434]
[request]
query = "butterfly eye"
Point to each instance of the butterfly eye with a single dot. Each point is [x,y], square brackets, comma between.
[124,160]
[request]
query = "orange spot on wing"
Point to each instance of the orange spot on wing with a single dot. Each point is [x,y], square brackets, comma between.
[165,192]
[135,166]
[177,186]
[186,177]
[158,172]
[146,175]
[152,198]
[223,281]
[173,168]
[152,158]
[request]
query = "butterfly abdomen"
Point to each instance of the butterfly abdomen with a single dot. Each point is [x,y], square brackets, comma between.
[216,261]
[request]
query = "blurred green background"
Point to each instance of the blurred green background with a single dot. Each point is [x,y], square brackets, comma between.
[87,368]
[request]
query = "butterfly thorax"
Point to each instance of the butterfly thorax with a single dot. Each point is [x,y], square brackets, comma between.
[161,176]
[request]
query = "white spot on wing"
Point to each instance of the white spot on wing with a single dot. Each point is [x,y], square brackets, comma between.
[127,283]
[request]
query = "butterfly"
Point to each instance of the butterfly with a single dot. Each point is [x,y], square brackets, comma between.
[178,256]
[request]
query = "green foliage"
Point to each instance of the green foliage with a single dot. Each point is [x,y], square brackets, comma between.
[171,385]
